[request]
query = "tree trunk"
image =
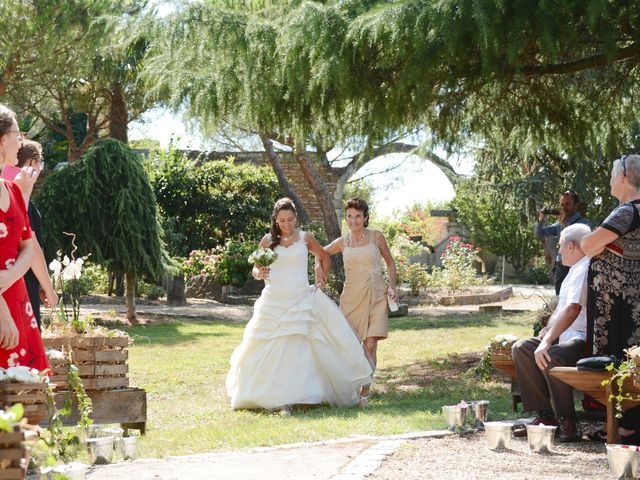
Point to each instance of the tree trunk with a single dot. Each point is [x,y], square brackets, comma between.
[288,189]
[118,115]
[131,298]
[325,198]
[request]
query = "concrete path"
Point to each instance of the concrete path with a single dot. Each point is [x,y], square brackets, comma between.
[344,459]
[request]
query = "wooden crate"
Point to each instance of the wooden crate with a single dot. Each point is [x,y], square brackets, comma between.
[33,396]
[59,373]
[101,361]
[12,451]
[126,406]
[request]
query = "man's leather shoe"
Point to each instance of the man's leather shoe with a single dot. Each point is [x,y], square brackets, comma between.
[569,430]
[539,420]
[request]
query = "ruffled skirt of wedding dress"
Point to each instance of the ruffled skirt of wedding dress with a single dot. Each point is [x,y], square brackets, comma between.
[297,349]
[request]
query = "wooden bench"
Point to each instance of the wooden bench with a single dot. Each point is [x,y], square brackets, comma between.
[126,406]
[586,382]
[591,383]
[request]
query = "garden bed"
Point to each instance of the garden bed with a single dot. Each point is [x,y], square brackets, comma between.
[469,296]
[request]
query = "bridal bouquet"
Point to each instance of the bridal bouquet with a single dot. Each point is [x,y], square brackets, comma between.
[263,257]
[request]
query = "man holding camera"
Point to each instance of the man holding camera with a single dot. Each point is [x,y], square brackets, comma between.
[567,215]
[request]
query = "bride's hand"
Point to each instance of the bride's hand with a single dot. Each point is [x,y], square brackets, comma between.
[263,273]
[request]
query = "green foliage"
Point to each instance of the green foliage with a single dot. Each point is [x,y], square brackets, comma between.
[458,270]
[232,267]
[361,189]
[417,221]
[95,279]
[622,374]
[548,73]
[494,223]
[414,274]
[149,291]
[211,202]
[200,262]
[107,200]
[10,417]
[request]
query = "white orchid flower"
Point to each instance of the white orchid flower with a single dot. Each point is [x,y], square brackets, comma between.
[66,261]
[56,267]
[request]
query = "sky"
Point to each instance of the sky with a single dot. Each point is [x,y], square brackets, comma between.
[414,180]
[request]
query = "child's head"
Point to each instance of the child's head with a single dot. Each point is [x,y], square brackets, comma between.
[30,154]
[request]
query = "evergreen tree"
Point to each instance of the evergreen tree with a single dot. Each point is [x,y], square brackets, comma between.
[106,199]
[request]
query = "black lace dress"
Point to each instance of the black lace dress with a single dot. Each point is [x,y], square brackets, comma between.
[613,303]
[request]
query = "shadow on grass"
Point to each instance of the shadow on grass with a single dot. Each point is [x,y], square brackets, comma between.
[180,332]
[452,322]
[421,386]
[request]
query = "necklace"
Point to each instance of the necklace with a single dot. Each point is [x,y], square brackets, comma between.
[358,242]
[282,237]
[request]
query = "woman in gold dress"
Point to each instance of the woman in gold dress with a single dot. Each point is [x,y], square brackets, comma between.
[364,296]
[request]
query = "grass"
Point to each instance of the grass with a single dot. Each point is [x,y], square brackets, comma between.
[183,367]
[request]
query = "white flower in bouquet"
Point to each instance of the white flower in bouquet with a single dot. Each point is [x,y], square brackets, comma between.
[263,257]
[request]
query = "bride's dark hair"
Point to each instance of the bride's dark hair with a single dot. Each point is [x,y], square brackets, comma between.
[276,235]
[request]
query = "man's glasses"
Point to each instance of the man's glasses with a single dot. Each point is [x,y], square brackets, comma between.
[624,165]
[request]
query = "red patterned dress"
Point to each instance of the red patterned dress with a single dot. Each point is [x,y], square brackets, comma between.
[14,227]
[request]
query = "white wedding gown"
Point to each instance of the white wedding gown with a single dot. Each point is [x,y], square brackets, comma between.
[298,347]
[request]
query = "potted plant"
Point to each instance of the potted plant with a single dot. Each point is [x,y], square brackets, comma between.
[100,354]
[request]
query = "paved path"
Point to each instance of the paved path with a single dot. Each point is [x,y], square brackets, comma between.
[344,459]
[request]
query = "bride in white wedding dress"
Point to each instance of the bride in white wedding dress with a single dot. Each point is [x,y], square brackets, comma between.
[298,348]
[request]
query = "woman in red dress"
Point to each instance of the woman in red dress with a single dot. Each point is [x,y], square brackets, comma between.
[20,342]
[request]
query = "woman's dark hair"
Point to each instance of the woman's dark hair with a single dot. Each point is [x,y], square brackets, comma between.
[30,150]
[7,116]
[282,204]
[360,205]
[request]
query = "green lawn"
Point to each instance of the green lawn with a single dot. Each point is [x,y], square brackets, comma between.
[183,366]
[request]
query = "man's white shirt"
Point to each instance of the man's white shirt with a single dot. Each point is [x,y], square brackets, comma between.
[574,290]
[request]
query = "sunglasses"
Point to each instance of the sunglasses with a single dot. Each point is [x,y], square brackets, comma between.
[624,166]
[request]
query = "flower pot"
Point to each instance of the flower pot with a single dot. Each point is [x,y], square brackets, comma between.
[623,460]
[128,447]
[540,437]
[498,435]
[71,471]
[480,411]
[100,450]
[455,415]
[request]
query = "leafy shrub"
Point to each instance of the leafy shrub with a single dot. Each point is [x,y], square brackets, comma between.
[149,290]
[414,274]
[232,267]
[203,204]
[200,262]
[457,269]
[94,279]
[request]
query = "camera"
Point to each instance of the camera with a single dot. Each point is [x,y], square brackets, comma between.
[550,211]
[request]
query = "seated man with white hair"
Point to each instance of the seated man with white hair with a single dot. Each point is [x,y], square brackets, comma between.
[550,397]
